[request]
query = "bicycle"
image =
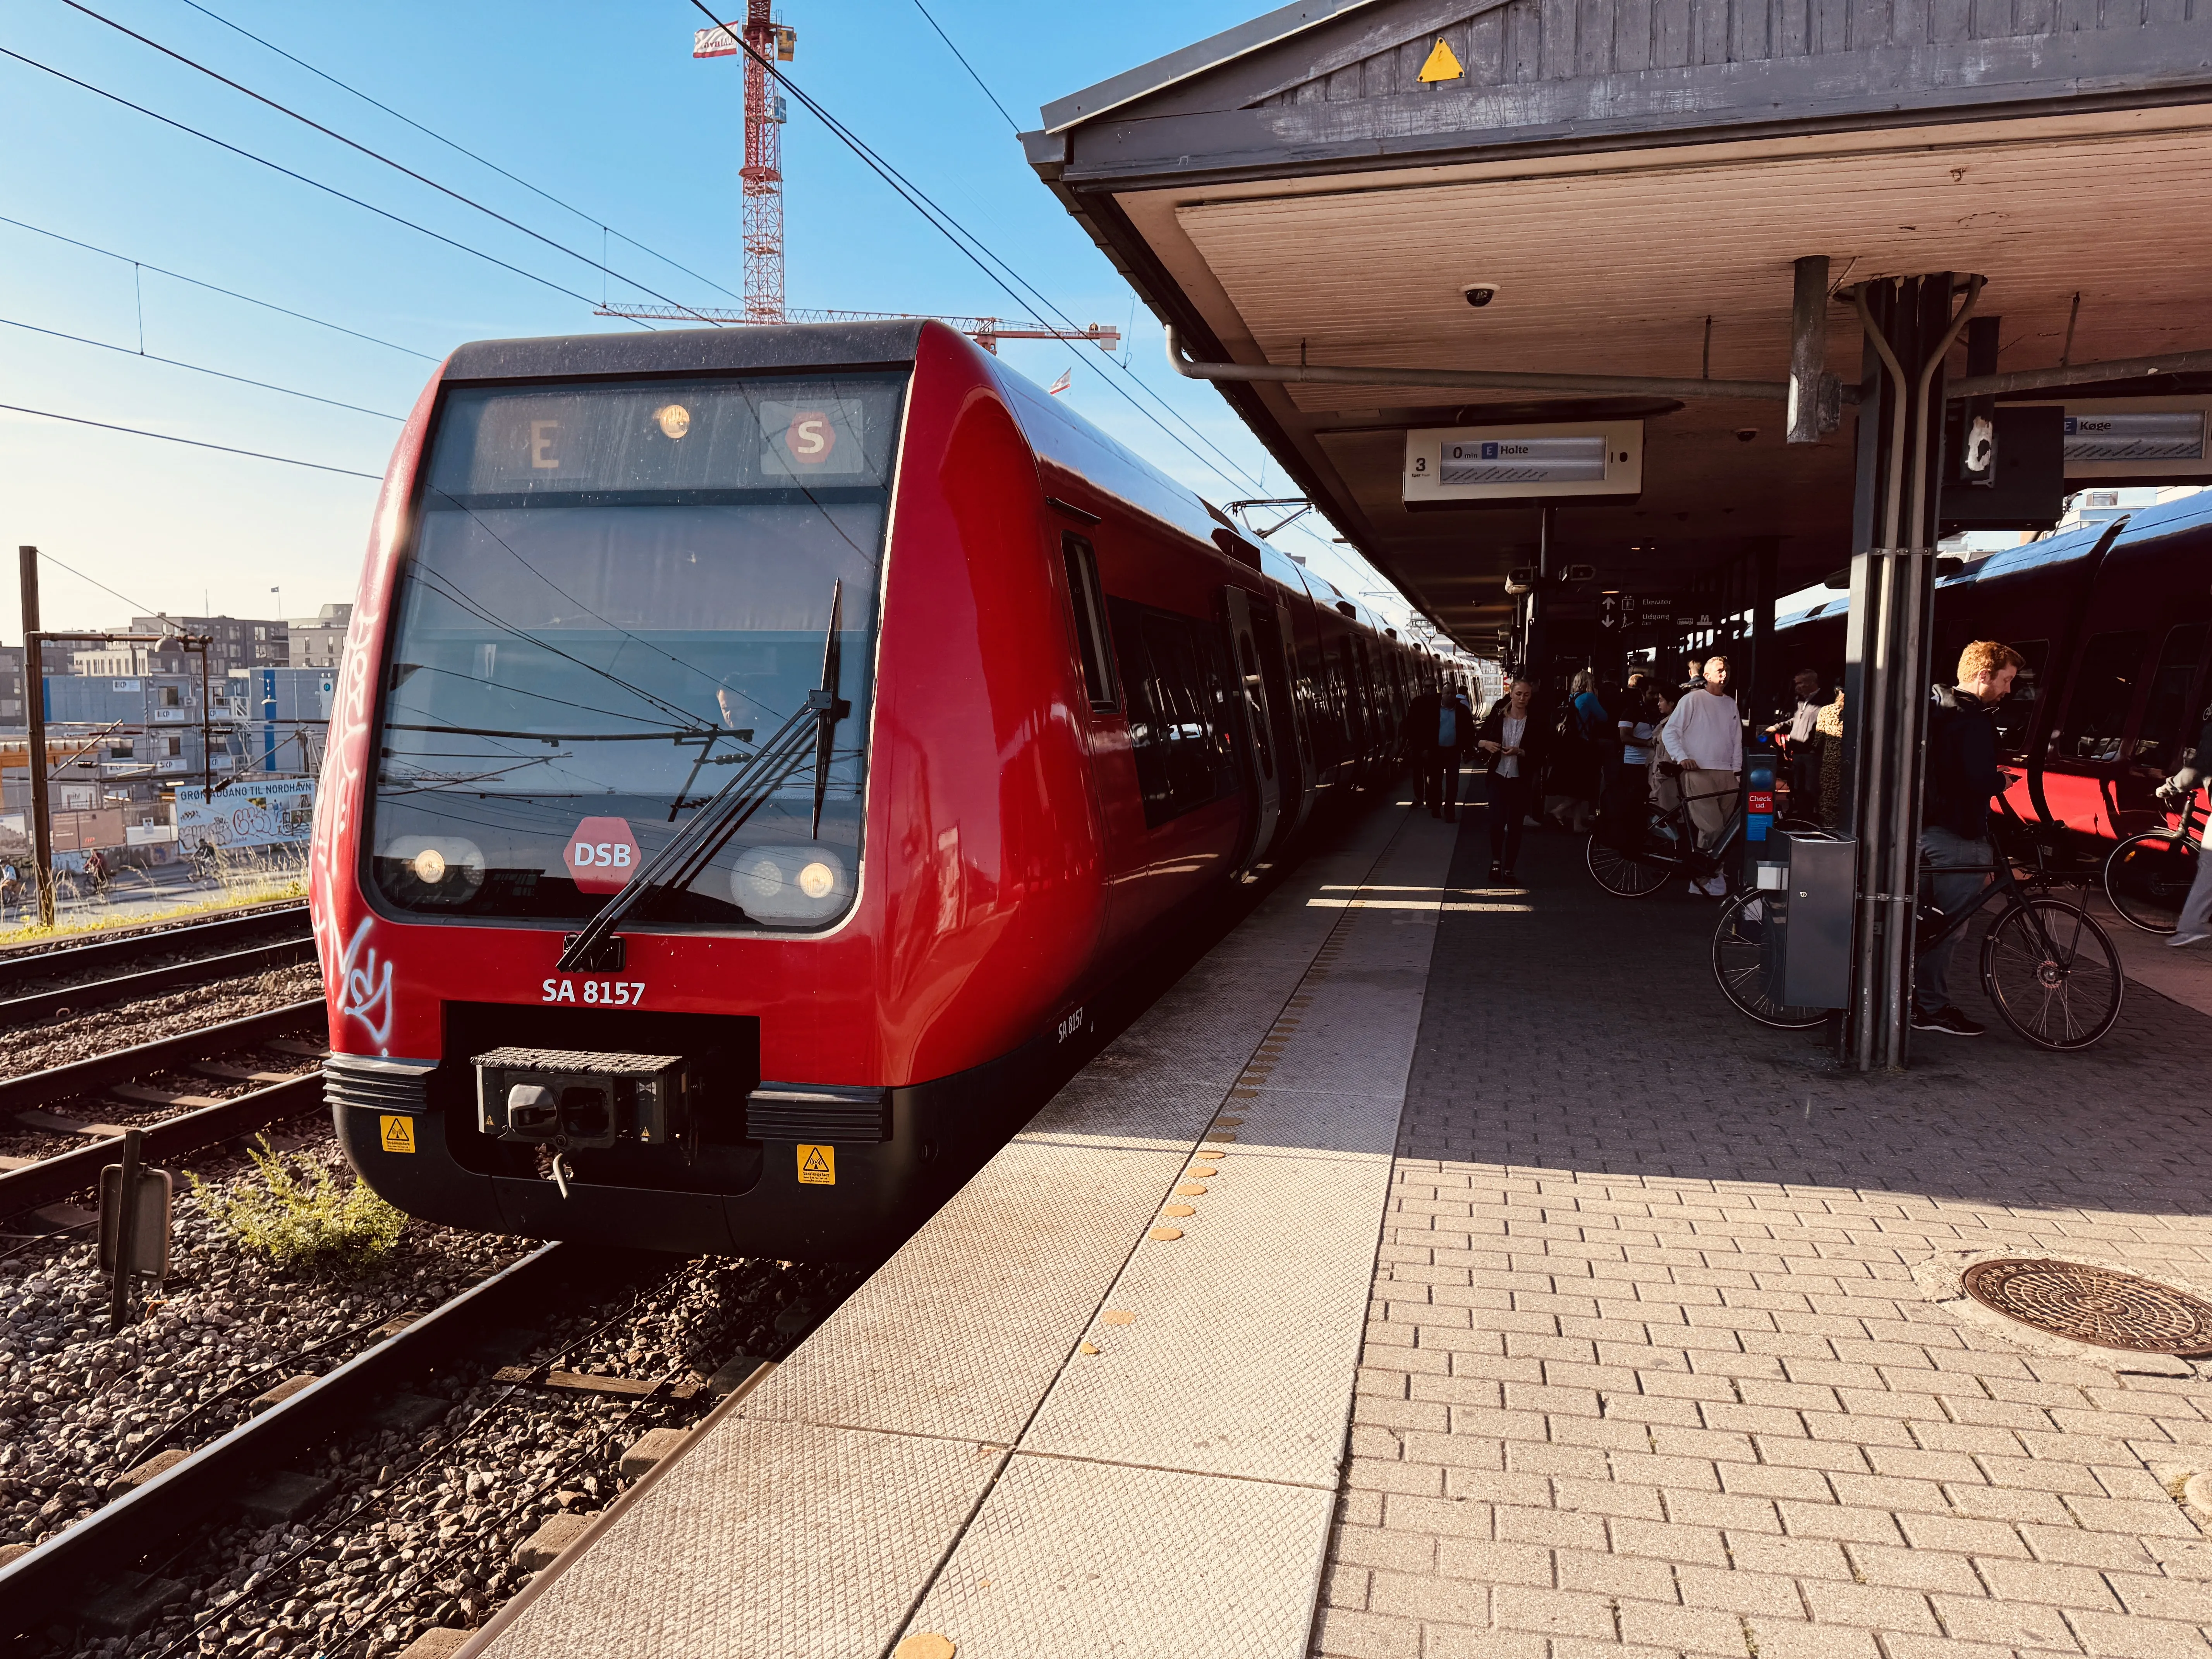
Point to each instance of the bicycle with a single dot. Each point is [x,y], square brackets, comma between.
[2148,875]
[1665,846]
[2051,972]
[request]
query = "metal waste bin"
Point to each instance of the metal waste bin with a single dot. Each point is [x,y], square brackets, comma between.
[1809,877]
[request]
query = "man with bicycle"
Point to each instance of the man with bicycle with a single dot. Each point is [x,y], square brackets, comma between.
[1955,835]
[2195,926]
[1704,738]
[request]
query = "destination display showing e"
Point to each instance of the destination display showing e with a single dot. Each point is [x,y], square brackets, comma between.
[564,443]
[1452,465]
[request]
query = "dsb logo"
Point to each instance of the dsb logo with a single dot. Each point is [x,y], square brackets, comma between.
[601,855]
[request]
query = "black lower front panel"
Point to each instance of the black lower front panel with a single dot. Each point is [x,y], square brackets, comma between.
[419,1145]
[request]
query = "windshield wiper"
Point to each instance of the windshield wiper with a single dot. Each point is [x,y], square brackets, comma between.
[678,865]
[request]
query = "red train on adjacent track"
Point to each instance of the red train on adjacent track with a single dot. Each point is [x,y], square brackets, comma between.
[755,751]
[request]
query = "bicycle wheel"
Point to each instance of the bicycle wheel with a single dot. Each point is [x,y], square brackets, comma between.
[2052,974]
[1738,965]
[2147,876]
[1636,873]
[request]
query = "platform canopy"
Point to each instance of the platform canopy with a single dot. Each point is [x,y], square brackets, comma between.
[1637,179]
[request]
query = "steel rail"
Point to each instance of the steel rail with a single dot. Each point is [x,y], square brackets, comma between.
[54,1582]
[152,982]
[53,1179]
[163,1054]
[17,965]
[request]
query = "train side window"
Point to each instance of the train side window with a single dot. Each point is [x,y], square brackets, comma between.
[1091,639]
[2015,715]
[2165,731]
[1175,682]
[2104,691]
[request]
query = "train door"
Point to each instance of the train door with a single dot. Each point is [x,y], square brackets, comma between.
[1263,768]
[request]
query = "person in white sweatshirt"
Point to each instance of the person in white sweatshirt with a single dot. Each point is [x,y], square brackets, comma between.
[1705,737]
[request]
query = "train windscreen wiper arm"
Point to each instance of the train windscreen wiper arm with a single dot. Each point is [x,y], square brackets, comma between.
[676,864]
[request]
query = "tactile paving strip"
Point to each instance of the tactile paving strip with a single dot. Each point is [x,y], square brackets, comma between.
[1073,1560]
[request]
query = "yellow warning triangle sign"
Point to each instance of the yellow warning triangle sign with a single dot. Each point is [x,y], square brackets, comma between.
[816,1163]
[1442,65]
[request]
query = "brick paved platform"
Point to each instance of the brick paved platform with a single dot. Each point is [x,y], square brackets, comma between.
[1648,1370]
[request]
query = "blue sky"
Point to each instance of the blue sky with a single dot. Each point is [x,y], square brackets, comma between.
[600,106]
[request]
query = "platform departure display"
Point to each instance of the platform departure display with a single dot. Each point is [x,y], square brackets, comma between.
[1579,459]
[2157,435]
[1458,465]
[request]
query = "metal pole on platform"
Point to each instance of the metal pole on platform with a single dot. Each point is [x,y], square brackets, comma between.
[1910,325]
[34,704]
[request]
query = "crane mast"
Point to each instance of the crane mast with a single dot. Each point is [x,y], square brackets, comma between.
[763,174]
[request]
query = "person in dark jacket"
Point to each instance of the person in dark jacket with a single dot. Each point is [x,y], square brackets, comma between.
[1962,776]
[2195,926]
[1510,743]
[1417,736]
[1451,734]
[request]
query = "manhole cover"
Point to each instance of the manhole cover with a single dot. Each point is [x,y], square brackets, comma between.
[2099,1305]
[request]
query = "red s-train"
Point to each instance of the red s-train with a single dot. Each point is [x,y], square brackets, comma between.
[755,748]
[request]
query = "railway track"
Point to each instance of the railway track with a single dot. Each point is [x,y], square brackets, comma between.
[22,965]
[436,1382]
[195,1121]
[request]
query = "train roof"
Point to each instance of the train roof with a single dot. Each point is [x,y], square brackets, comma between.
[2144,525]
[690,350]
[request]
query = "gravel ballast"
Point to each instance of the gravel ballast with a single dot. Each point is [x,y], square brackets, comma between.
[423,1526]
[77,1402]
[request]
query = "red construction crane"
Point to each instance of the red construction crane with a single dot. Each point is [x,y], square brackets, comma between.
[762,174]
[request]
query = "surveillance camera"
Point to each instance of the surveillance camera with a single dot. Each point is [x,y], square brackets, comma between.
[1478,294]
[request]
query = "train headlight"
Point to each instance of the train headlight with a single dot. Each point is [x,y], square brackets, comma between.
[806,884]
[675,420]
[431,870]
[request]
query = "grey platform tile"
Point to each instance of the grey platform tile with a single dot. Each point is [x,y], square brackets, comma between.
[961,1333]
[1241,1358]
[1073,1560]
[780,1539]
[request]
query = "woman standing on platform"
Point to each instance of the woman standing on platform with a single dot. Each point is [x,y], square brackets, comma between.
[1828,726]
[1511,742]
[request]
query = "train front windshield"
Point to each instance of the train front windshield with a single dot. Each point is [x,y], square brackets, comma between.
[617,596]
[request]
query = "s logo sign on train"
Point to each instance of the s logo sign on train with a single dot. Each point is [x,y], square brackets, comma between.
[601,855]
[811,438]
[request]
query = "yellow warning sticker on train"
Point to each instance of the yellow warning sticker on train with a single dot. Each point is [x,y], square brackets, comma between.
[1442,65]
[818,1166]
[398,1134]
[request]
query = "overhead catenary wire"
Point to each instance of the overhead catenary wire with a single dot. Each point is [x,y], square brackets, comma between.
[143,609]
[980,254]
[957,52]
[277,166]
[976,250]
[463,149]
[196,443]
[198,368]
[373,153]
[227,293]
